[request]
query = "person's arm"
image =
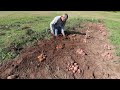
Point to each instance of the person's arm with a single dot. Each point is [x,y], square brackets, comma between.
[62,29]
[54,22]
[52,28]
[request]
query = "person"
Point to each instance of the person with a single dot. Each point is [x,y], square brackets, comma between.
[57,25]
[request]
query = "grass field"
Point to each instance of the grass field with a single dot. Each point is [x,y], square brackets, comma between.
[20,29]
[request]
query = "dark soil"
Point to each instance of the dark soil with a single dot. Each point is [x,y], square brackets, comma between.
[86,54]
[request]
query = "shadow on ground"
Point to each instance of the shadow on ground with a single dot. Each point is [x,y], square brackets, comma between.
[74,32]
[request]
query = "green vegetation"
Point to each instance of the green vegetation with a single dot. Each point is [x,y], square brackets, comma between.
[20,29]
[114,33]
[16,33]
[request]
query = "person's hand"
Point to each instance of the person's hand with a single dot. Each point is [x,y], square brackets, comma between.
[65,37]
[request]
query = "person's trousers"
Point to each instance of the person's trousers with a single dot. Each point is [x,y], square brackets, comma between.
[56,31]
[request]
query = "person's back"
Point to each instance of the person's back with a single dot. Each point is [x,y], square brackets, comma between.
[58,23]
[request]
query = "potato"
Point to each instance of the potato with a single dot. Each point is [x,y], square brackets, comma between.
[75,68]
[11,77]
[41,57]
[78,70]
[75,63]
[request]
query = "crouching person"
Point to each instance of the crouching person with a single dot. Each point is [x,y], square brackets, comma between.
[57,25]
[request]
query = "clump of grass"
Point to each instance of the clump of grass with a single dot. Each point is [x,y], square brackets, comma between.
[77,22]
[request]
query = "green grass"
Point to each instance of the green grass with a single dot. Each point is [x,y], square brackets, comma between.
[17,35]
[20,29]
[113,28]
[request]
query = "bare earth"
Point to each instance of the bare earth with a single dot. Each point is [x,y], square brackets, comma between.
[86,54]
